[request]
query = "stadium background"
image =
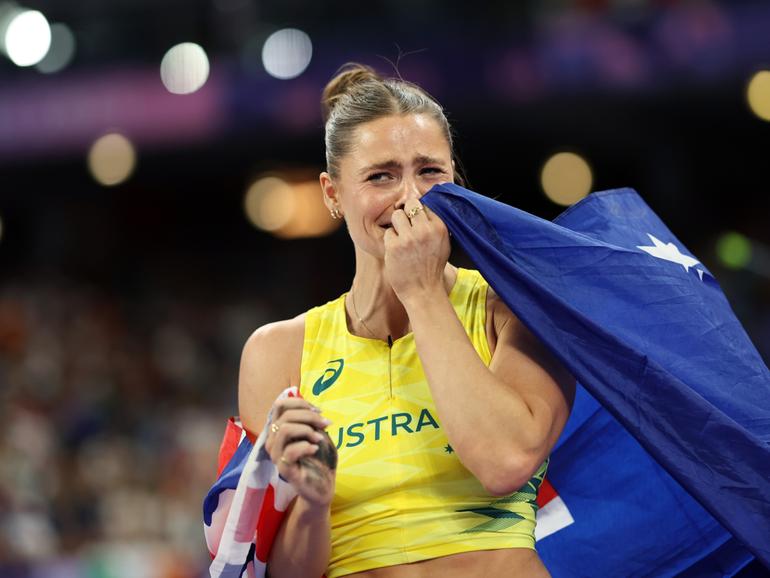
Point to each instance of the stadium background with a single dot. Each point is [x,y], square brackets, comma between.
[124,303]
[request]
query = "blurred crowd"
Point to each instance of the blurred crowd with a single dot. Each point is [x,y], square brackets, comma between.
[112,407]
[111,413]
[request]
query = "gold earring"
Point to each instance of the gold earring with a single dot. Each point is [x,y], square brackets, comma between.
[335,213]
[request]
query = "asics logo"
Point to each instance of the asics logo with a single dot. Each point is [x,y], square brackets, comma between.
[329,377]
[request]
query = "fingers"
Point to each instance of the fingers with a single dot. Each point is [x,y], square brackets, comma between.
[292,432]
[295,424]
[422,220]
[413,214]
[400,222]
[288,463]
[415,211]
[304,416]
[289,432]
[430,215]
[311,478]
[290,403]
[295,452]
[390,236]
[297,432]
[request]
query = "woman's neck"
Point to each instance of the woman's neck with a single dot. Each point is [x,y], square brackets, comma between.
[374,310]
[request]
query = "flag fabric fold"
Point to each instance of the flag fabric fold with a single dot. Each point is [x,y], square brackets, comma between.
[646,330]
[663,468]
[244,508]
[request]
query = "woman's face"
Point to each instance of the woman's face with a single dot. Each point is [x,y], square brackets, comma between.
[392,159]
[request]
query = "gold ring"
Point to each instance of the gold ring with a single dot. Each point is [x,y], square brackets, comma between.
[285,461]
[274,427]
[413,212]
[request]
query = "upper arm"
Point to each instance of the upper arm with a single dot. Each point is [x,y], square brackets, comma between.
[270,363]
[521,361]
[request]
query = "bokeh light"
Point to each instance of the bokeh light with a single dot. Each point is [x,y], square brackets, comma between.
[184,68]
[269,203]
[733,250]
[288,209]
[566,178]
[287,53]
[311,218]
[27,38]
[758,94]
[112,159]
[61,52]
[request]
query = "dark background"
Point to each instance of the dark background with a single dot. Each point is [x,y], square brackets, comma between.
[123,309]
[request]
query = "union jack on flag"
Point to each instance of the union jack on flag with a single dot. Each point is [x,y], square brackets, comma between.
[243,510]
[246,505]
[661,469]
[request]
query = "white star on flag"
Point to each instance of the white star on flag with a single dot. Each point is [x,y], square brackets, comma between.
[669,252]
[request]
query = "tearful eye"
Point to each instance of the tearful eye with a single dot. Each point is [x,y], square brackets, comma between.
[378,177]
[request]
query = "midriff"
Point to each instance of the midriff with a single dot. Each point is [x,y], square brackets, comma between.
[507,563]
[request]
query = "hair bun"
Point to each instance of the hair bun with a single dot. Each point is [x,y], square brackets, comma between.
[348,76]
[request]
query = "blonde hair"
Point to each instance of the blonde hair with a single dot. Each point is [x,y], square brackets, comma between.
[358,94]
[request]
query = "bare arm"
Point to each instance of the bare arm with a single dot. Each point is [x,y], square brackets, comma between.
[270,363]
[502,420]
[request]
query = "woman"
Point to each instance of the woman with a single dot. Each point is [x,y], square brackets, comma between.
[442,405]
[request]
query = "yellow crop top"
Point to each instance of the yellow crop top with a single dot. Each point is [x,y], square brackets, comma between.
[402,495]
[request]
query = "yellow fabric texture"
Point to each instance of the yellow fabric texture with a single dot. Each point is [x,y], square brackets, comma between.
[402,494]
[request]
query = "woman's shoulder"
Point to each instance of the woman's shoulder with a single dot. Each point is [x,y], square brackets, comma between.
[277,333]
[277,344]
[287,335]
[270,363]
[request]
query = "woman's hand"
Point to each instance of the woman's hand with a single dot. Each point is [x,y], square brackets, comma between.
[302,451]
[416,251]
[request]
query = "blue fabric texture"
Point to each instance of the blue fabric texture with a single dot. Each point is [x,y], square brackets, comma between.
[665,461]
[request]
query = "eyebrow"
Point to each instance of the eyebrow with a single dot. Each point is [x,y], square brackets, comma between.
[392,163]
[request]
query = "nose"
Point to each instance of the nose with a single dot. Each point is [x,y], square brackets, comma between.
[409,189]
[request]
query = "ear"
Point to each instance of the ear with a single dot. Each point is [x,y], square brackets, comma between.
[329,190]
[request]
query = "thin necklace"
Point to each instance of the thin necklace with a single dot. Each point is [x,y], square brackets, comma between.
[361,321]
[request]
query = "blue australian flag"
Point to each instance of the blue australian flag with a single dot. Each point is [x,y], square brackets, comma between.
[664,464]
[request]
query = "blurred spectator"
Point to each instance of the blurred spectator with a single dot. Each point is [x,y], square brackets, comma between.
[112,413]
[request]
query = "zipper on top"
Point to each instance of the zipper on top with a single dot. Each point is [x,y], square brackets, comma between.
[390,360]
